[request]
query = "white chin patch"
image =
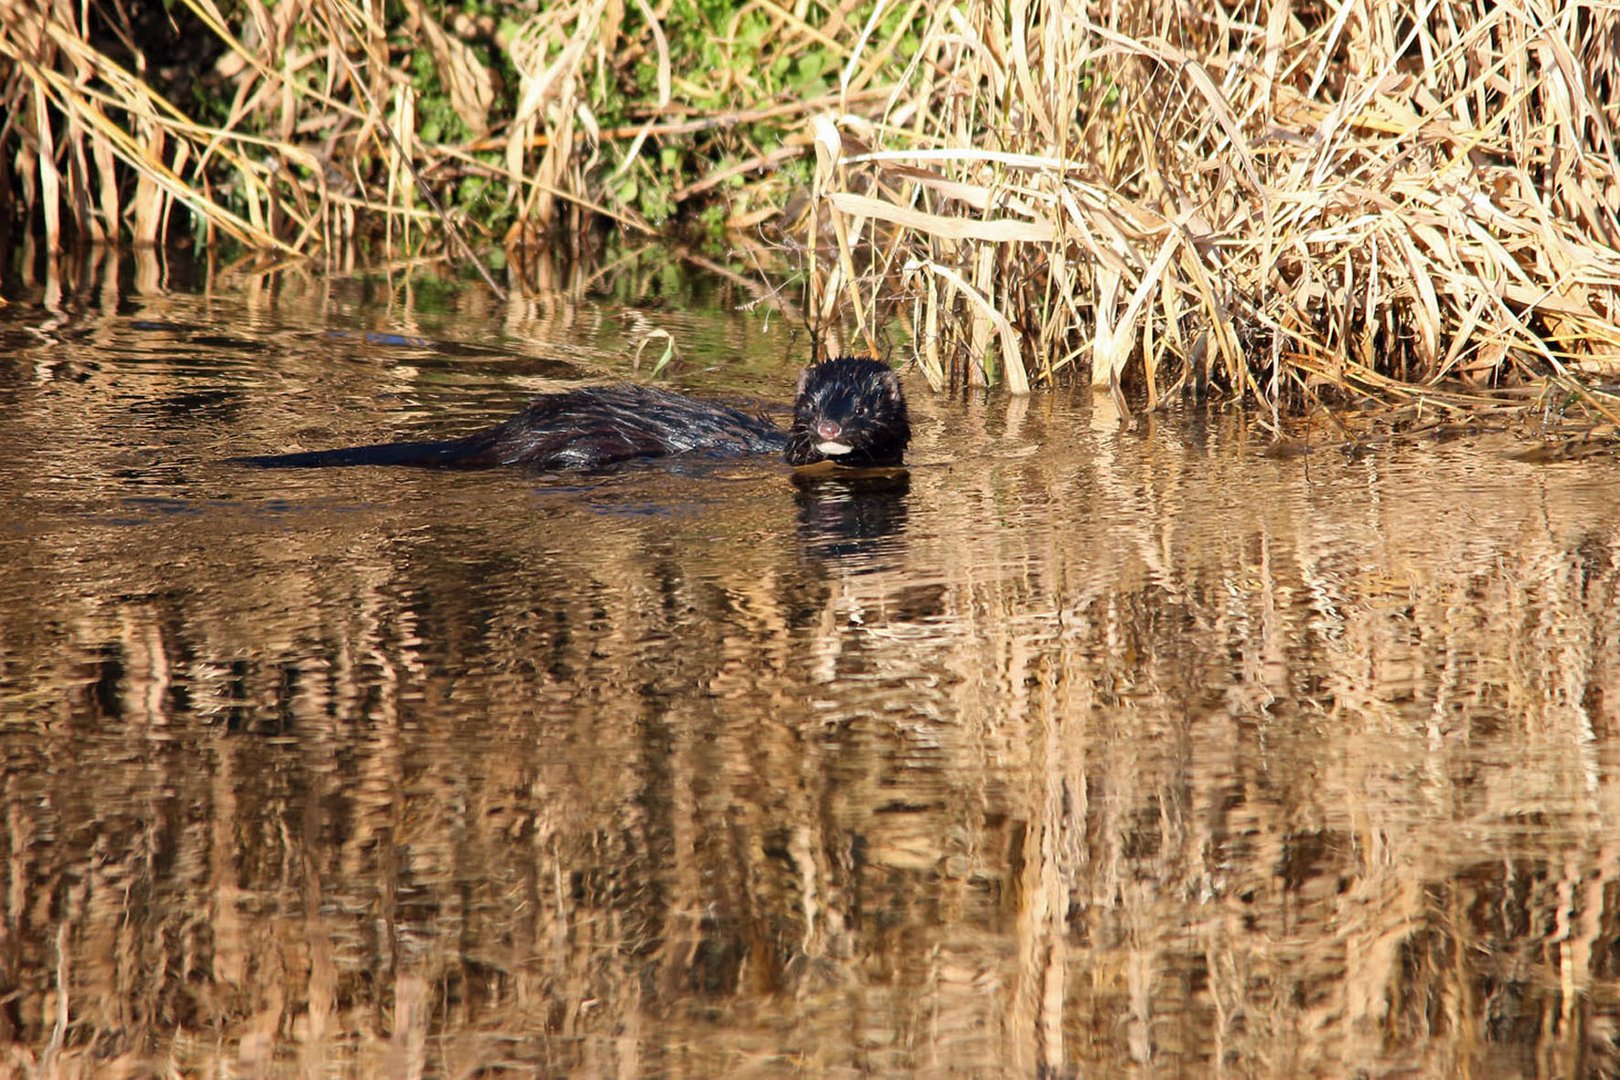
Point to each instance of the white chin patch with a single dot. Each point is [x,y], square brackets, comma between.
[833,449]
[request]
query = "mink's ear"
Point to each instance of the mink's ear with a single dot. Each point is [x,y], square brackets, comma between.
[804,381]
[891,384]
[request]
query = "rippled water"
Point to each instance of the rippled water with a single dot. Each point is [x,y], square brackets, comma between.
[1076,751]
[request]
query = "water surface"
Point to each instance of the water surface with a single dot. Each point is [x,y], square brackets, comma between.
[1076,751]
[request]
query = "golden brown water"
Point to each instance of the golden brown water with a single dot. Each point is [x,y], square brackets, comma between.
[1080,752]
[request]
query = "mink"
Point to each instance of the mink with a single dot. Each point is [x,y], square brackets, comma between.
[850,411]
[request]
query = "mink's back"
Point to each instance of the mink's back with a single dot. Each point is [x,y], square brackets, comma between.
[596,426]
[587,428]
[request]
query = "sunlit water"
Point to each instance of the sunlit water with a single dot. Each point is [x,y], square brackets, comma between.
[1075,751]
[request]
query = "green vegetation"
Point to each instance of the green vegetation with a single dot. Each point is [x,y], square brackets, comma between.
[1289,204]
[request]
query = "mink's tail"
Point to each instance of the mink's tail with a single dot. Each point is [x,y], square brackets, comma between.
[454,454]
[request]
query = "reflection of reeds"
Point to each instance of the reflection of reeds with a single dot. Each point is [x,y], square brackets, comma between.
[1344,195]
[1096,788]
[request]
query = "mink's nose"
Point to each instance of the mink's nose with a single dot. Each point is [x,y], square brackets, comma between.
[828,429]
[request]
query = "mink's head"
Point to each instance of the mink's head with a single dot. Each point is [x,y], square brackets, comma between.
[849,411]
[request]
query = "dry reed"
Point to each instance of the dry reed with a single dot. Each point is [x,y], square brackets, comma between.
[1275,199]
[1274,202]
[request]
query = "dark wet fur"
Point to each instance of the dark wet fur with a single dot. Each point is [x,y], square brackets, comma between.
[854,401]
[596,426]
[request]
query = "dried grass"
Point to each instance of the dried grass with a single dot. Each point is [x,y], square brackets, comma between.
[326,137]
[1163,194]
[322,141]
[1288,204]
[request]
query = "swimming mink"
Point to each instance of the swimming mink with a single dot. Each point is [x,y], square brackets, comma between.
[850,411]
